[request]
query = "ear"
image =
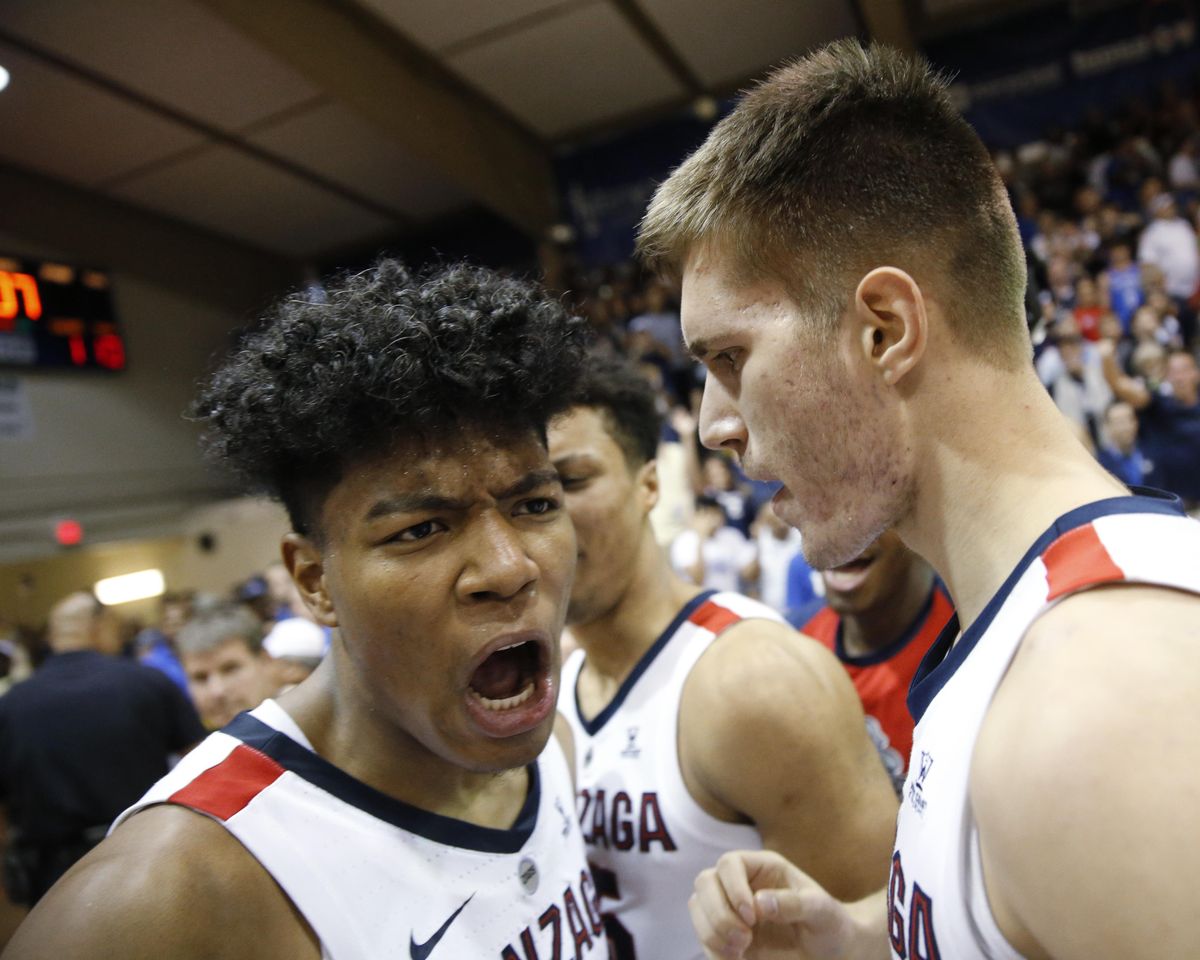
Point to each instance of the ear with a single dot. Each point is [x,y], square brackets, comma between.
[646,484]
[305,563]
[894,324]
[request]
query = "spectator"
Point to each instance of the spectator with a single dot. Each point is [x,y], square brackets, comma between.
[1088,308]
[281,590]
[710,553]
[1123,283]
[1182,172]
[226,666]
[81,740]
[156,645]
[1079,390]
[724,483]
[804,585]
[1168,421]
[296,647]
[1120,454]
[776,545]
[1169,242]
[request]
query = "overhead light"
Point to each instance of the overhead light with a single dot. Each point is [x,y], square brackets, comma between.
[130,586]
[3,78]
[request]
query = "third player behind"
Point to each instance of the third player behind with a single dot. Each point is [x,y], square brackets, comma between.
[880,614]
[690,708]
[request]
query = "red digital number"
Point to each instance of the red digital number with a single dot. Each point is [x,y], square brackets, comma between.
[109,351]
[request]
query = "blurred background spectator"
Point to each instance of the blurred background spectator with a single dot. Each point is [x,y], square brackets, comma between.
[80,741]
[228,671]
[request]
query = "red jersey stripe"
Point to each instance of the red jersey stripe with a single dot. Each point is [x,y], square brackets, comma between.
[713,617]
[1078,559]
[223,790]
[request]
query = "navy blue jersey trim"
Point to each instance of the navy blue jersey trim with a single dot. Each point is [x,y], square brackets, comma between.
[802,616]
[321,773]
[596,724]
[946,656]
[892,649]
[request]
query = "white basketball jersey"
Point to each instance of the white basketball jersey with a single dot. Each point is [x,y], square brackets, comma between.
[646,837]
[376,878]
[937,905]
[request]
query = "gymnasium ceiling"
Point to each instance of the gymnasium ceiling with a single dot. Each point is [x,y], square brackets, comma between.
[305,127]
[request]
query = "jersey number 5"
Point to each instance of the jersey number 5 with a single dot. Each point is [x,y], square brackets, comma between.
[620,940]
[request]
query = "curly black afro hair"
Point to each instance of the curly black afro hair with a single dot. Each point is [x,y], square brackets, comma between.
[387,356]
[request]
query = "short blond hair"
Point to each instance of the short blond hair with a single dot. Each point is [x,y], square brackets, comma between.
[845,160]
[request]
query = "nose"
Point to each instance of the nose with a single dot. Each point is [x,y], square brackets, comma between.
[498,566]
[721,425]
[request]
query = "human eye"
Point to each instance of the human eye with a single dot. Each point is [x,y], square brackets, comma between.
[572,482]
[727,361]
[418,531]
[536,507]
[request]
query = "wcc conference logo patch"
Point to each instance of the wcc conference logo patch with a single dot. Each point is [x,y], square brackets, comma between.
[916,789]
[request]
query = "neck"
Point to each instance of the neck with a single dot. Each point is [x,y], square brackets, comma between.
[617,639]
[993,478]
[885,623]
[372,747]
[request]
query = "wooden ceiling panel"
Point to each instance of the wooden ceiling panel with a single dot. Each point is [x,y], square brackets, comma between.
[234,194]
[337,144]
[172,51]
[62,127]
[438,24]
[726,41]
[584,67]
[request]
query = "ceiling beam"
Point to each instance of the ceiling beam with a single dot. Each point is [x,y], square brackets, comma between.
[654,38]
[387,80]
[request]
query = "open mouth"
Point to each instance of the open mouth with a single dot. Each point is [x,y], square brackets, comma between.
[508,677]
[510,690]
[849,576]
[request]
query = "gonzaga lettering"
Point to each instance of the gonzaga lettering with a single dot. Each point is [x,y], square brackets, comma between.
[646,837]
[376,878]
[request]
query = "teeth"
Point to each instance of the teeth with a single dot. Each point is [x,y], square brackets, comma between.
[507,703]
[513,646]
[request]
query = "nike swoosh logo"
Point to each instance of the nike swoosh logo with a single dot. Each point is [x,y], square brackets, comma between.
[419,951]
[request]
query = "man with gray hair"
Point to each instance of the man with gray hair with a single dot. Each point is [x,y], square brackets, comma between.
[227,669]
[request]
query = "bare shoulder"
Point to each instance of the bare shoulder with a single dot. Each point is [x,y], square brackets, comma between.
[1084,771]
[771,731]
[758,668]
[168,882]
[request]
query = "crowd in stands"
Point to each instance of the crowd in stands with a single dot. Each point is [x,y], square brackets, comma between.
[1108,214]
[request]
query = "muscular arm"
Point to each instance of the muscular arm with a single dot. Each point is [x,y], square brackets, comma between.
[771,731]
[168,883]
[1085,783]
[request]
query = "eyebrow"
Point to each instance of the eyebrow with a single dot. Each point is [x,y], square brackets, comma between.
[432,503]
[697,349]
[573,459]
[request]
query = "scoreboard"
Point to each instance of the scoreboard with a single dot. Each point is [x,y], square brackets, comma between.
[57,315]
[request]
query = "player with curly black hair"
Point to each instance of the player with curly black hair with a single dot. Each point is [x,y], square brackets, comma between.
[406,790]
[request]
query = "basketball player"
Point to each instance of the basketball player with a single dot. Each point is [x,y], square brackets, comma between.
[854,282]
[393,804]
[690,707]
[881,612]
